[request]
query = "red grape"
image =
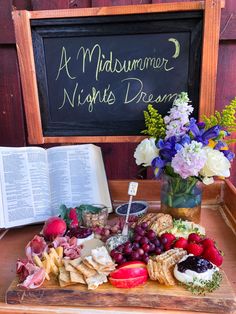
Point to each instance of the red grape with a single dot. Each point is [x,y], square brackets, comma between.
[135,246]
[107,232]
[156,242]
[144,225]
[157,251]
[135,256]
[152,247]
[137,229]
[164,240]
[140,251]
[113,252]
[146,247]
[120,247]
[151,234]
[127,250]
[141,232]
[145,259]
[127,244]
[137,238]
[144,240]
[118,257]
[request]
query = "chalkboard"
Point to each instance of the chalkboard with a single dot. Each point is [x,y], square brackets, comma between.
[96,75]
[88,74]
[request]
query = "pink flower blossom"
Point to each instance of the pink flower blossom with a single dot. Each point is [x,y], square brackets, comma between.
[189,160]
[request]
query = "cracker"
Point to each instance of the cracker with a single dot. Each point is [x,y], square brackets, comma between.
[76,277]
[76,262]
[89,262]
[64,275]
[68,265]
[86,271]
[95,281]
[101,256]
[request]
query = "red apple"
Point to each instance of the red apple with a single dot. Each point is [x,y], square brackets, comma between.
[53,227]
[126,273]
[132,264]
[128,283]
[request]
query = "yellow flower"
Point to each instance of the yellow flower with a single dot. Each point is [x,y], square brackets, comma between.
[211,143]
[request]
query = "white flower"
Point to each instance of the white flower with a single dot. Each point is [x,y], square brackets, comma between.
[216,164]
[146,151]
[207,180]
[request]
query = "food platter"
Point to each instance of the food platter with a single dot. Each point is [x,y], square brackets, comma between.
[150,294]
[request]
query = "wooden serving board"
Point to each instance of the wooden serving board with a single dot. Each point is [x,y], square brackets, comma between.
[150,295]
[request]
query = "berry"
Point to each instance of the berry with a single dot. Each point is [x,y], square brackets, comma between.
[207,243]
[151,234]
[169,236]
[135,256]
[152,247]
[181,243]
[74,218]
[144,240]
[140,251]
[157,251]
[213,255]
[118,257]
[144,225]
[146,247]
[194,248]
[156,242]
[135,246]
[167,240]
[127,250]
[137,238]
[194,237]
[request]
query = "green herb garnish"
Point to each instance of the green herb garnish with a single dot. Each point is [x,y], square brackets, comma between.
[207,285]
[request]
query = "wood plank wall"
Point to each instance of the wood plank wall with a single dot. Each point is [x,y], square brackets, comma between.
[118,158]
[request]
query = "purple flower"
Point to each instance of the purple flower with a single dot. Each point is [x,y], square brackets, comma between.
[228,154]
[158,166]
[200,135]
[219,145]
[211,133]
[167,148]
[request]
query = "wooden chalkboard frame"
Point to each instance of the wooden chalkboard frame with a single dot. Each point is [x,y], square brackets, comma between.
[22,21]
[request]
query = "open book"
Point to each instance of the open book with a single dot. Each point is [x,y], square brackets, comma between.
[34,182]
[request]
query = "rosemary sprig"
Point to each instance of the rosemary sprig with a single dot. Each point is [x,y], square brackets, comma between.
[207,285]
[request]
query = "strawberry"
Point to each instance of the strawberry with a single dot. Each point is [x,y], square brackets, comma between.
[194,237]
[167,240]
[194,248]
[207,243]
[181,243]
[213,255]
[74,218]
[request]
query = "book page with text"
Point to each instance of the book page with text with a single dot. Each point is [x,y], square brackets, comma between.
[73,176]
[25,185]
[2,222]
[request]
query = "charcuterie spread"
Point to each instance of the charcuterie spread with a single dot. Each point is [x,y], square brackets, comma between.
[166,250]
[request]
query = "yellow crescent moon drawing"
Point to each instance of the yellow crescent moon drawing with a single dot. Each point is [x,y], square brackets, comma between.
[177,47]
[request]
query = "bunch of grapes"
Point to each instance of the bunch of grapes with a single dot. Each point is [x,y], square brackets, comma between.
[106,232]
[144,243]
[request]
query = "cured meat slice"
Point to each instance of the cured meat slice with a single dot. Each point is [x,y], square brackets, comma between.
[37,246]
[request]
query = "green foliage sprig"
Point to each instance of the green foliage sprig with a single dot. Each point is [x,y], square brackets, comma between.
[154,123]
[207,285]
[226,118]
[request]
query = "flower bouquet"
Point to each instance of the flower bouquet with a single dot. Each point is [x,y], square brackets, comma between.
[185,152]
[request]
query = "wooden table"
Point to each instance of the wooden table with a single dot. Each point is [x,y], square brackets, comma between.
[218,217]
